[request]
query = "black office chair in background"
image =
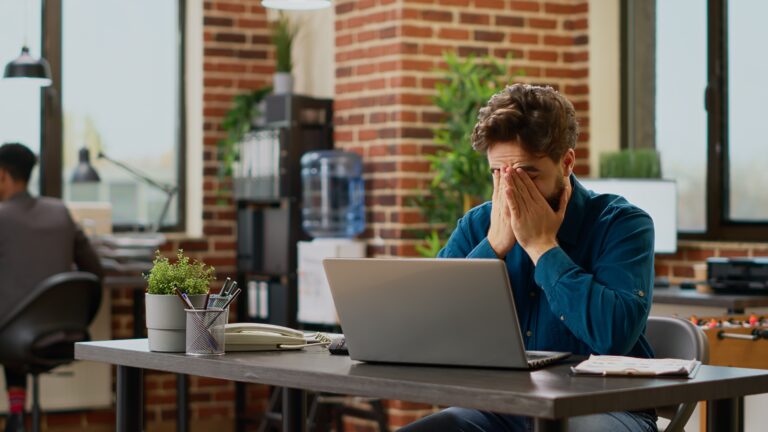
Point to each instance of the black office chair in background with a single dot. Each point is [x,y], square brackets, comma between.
[39,334]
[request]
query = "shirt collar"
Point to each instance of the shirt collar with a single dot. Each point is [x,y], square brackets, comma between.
[574,213]
[19,196]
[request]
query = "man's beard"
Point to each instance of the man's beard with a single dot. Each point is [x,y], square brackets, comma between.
[554,198]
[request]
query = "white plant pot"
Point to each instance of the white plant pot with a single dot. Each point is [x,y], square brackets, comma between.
[282,83]
[166,321]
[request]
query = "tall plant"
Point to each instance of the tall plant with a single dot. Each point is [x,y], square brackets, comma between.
[461,177]
[283,34]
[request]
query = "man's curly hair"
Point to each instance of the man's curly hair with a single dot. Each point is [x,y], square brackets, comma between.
[542,119]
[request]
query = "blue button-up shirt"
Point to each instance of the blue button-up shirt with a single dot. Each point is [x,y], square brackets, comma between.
[589,295]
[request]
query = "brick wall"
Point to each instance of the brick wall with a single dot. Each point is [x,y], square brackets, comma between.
[386,55]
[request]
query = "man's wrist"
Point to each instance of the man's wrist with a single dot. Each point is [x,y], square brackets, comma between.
[535,251]
[500,253]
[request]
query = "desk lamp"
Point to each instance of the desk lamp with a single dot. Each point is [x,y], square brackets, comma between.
[85,173]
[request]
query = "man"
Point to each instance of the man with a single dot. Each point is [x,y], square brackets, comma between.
[38,238]
[580,264]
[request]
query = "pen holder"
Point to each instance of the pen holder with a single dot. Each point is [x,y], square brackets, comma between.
[205,331]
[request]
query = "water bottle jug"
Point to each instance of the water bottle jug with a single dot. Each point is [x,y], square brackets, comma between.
[333,196]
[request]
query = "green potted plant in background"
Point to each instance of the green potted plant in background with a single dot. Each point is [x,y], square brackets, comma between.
[283,34]
[166,319]
[631,163]
[461,177]
[246,112]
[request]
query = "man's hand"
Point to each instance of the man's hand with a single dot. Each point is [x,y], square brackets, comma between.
[534,222]
[500,234]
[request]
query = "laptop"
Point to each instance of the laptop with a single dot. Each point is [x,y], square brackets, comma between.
[457,312]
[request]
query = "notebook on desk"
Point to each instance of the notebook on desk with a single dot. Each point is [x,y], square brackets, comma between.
[457,312]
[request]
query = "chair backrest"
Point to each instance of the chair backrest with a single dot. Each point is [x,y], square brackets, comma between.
[39,333]
[676,338]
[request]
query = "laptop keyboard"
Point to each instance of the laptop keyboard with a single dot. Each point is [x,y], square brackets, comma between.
[536,359]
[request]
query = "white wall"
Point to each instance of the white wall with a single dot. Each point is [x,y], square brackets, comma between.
[314,51]
[604,80]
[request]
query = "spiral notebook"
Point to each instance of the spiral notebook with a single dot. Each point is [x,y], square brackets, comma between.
[603,365]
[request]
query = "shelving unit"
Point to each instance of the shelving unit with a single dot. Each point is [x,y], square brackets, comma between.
[268,201]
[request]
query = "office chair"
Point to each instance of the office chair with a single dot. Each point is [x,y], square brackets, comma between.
[39,333]
[676,338]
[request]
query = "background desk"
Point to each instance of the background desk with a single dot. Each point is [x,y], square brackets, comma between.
[551,394]
[733,304]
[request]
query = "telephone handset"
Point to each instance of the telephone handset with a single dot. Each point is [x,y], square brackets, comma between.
[264,337]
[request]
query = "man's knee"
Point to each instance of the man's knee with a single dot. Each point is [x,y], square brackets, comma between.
[450,419]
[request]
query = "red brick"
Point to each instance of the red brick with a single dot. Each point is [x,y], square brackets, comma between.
[509,21]
[558,40]
[571,57]
[455,34]
[437,16]
[542,23]
[732,253]
[490,4]
[416,31]
[536,55]
[229,7]
[487,36]
[474,18]
[525,38]
[466,51]
[699,254]
[532,6]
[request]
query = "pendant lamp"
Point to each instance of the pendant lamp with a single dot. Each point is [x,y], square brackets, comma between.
[27,68]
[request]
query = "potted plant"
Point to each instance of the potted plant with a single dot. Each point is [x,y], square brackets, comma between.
[246,111]
[166,320]
[283,34]
[461,174]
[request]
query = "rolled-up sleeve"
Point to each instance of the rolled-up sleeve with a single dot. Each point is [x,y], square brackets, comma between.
[607,307]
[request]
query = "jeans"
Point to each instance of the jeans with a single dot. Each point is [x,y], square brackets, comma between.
[471,420]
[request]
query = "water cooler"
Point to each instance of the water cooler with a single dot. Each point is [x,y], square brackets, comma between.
[333,213]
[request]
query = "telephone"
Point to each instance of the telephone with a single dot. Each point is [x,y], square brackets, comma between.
[266,337]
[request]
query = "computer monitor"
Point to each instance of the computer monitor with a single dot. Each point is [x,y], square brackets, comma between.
[656,196]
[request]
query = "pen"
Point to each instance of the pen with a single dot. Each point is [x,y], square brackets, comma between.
[225,288]
[183,298]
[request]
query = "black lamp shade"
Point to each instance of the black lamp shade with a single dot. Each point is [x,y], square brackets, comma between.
[27,67]
[84,172]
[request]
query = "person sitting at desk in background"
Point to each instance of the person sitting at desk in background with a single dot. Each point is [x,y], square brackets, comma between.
[580,264]
[38,239]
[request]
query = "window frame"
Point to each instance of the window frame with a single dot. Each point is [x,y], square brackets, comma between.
[719,226]
[51,131]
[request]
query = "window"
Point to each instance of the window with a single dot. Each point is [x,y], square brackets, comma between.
[708,108]
[118,89]
[680,116]
[20,104]
[121,94]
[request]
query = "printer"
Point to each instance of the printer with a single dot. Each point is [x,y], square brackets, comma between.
[742,275]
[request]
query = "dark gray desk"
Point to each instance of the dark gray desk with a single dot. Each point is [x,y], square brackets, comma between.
[551,395]
[735,304]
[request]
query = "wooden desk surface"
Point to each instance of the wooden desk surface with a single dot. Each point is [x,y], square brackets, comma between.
[677,296]
[551,392]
